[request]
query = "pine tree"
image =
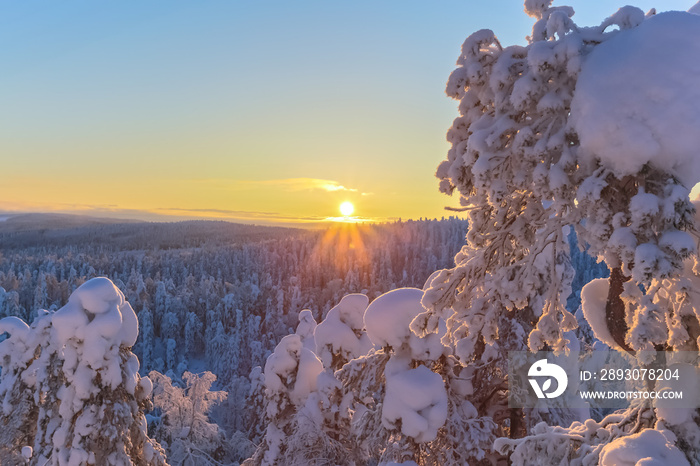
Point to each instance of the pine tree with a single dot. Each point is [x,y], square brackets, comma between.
[524,171]
[70,384]
[290,377]
[184,424]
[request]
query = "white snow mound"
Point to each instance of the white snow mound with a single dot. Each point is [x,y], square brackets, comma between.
[675,411]
[637,96]
[305,329]
[594,296]
[647,448]
[291,361]
[14,326]
[342,331]
[97,296]
[388,318]
[91,328]
[418,398]
[98,314]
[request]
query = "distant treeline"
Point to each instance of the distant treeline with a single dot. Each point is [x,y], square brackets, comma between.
[17,234]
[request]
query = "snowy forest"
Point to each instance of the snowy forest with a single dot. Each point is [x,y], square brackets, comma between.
[221,301]
[218,297]
[207,343]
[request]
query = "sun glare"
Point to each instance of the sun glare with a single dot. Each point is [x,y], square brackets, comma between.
[346,208]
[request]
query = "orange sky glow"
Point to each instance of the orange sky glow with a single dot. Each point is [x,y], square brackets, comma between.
[171,110]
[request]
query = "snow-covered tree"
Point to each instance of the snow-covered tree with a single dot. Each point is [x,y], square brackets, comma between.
[569,130]
[384,394]
[171,355]
[70,384]
[306,328]
[290,376]
[193,334]
[19,411]
[184,426]
[341,336]
[255,400]
[542,144]
[146,342]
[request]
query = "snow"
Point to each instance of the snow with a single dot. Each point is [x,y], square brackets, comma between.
[429,347]
[342,331]
[14,326]
[389,316]
[695,9]
[97,296]
[594,296]
[536,8]
[679,411]
[636,95]
[97,313]
[308,370]
[643,206]
[291,361]
[679,242]
[78,363]
[282,362]
[647,448]
[184,409]
[430,279]
[624,242]
[305,329]
[147,386]
[417,398]
[649,259]
[91,328]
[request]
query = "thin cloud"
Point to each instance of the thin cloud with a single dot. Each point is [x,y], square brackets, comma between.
[159,213]
[243,214]
[304,184]
[182,213]
[59,206]
[284,184]
[351,219]
[269,216]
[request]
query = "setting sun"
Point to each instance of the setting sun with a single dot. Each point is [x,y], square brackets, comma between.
[346,208]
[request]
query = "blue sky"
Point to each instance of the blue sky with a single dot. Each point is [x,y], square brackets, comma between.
[140,108]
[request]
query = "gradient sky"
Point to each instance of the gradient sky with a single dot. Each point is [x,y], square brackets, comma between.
[254,111]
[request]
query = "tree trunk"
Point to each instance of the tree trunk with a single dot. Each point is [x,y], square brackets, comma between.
[615,309]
